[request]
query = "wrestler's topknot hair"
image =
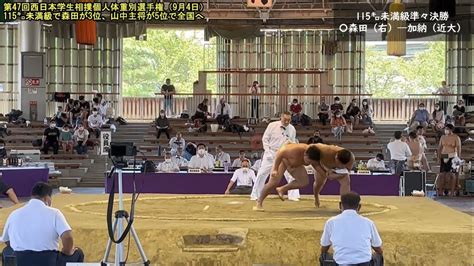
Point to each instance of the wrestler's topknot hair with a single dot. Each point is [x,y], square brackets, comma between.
[313,153]
[344,156]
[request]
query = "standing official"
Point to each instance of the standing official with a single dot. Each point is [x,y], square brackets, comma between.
[276,135]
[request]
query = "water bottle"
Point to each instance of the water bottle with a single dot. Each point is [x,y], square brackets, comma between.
[226,167]
[45,121]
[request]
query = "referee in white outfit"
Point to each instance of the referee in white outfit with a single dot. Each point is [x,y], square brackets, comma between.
[275,136]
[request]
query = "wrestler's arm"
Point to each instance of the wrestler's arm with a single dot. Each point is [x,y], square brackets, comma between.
[333,175]
[458,144]
[319,168]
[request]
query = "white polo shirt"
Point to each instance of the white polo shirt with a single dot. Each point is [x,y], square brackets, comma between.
[399,150]
[198,162]
[242,178]
[35,227]
[352,237]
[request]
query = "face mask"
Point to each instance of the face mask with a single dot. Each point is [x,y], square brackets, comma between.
[364,103]
[337,101]
[65,130]
[94,113]
[338,116]
[422,108]
[52,125]
[378,160]
[201,152]
[2,147]
[446,132]
[168,160]
[245,169]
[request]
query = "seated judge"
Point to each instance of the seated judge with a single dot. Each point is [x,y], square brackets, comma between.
[238,162]
[376,163]
[168,166]
[244,178]
[179,158]
[202,160]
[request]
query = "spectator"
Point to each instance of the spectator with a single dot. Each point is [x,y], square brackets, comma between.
[376,163]
[459,113]
[69,105]
[448,149]
[438,120]
[179,158]
[8,191]
[190,151]
[61,120]
[221,156]
[353,112]
[95,122]
[75,114]
[168,166]
[338,125]
[443,99]
[336,106]
[223,112]
[162,125]
[367,113]
[51,138]
[3,151]
[84,105]
[176,142]
[37,243]
[80,137]
[316,138]
[295,109]
[66,139]
[244,178]
[201,111]
[58,113]
[414,161]
[254,91]
[420,130]
[238,162]
[323,111]
[399,152]
[202,160]
[420,117]
[168,90]
[351,235]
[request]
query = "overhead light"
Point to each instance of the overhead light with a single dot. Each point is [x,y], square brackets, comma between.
[397,36]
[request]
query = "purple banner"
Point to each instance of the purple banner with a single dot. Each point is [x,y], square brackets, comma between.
[22,180]
[216,183]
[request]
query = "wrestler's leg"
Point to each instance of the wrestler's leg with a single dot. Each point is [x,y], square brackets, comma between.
[318,184]
[272,183]
[300,180]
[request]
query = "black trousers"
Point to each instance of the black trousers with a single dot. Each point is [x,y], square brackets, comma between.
[39,258]
[221,119]
[48,144]
[241,190]
[323,117]
[444,106]
[161,130]
[254,107]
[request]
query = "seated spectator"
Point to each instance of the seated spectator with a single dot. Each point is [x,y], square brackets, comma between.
[244,178]
[351,235]
[323,111]
[51,138]
[295,109]
[190,151]
[85,105]
[8,191]
[168,166]
[76,114]
[420,117]
[221,156]
[38,243]
[95,122]
[367,113]
[202,160]
[459,113]
[238,162]
[438,120]
[316,138]
[69,105]
[176,142]
[162,125]
[223,112]
[336,106]
[376,163]
[80,138]
[353,112]
[414,161]
[179,158]
[62,120]
[338,125]
[58,113]
[201,111]
[66,139]
[3,150]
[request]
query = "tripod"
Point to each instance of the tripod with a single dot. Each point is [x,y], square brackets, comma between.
[120,216]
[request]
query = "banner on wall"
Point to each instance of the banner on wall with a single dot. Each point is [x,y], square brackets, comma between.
[105,139]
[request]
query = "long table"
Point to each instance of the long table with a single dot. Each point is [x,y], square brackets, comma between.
[216,183]
[22,179]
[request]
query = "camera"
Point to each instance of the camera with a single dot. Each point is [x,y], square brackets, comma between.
[121,149]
